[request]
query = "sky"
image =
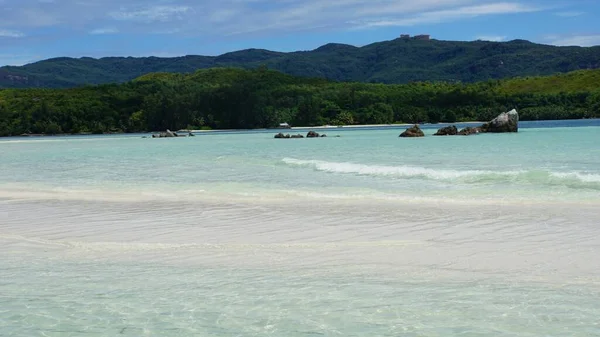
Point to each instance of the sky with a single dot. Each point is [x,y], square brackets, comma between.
[33,30]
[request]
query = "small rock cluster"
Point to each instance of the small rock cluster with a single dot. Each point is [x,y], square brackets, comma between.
[310,134]
[171,134]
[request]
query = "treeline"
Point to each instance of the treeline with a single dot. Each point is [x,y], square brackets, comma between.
[228,98]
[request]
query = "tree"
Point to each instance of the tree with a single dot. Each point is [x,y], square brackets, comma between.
[52,129]
[137,121]
[343,118]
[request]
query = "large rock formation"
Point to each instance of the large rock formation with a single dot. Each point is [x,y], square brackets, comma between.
[312,134]
[414,131]
[447,131]
[505,122]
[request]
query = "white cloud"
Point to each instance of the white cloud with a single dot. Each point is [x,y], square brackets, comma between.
[227,17]
[216,19]
[102,31]
[10,33]
[493,38]
[152,14]
[569,14]
[576,40]
[464,12]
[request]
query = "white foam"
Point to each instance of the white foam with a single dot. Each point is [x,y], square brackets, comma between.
[397,171]
[406,171]
[583,177]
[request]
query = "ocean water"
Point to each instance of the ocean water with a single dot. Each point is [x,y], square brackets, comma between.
[240,234]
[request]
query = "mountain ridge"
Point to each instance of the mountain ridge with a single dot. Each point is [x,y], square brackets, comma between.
[392,62]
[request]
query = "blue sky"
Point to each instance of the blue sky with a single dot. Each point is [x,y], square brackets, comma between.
[32,30]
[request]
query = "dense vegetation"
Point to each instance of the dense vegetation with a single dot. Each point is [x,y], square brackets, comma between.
[236,98]
[396,61]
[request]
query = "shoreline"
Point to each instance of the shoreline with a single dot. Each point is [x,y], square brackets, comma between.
[282,130]
[319,127]
[330,127]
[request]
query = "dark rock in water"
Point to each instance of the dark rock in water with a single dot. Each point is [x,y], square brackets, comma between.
[191,135]
[469,131]
[312,134]
[323,136]
[505,122]
[414,131]
[447,131]
[287,136]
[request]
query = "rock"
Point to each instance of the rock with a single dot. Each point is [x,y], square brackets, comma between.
[414,131]
[323,136]
[191,135]
[505,122]
[447,131]
[312,134]
[469,131]
[287,136]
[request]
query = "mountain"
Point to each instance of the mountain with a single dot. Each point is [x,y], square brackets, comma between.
[396,61]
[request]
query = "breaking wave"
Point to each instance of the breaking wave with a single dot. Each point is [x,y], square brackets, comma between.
[536,177]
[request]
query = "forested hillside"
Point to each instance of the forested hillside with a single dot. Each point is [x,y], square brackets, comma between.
[225,98]
[396,61]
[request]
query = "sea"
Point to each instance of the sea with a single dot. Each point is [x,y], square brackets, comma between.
[360,233]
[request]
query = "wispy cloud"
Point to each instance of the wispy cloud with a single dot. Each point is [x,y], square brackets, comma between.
[454,14]
[102,31]
[576,40]
[10,33]
[152,13]
[226,17]
[493,38]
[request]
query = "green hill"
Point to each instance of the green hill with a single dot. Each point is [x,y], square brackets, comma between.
[396,61]
[583,80]
[232,98]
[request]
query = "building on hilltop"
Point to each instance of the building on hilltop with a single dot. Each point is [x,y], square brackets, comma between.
[405,36]
[423,37]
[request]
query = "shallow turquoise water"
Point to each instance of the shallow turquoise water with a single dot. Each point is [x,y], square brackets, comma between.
[108,299]
[555,164]
[244,235]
